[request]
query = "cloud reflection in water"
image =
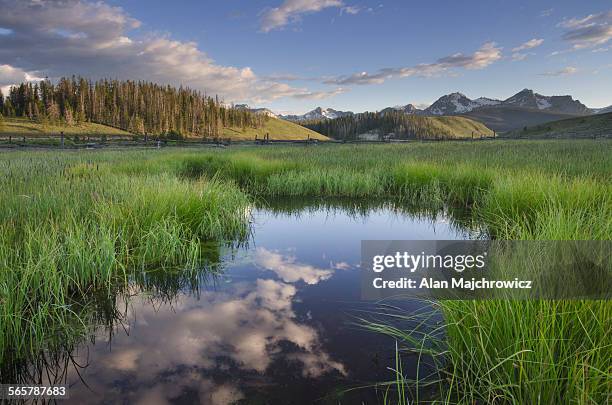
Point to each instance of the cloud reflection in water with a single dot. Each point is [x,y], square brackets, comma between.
[195,344]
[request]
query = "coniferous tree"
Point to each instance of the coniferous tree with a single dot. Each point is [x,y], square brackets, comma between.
[140,107]
[68,115]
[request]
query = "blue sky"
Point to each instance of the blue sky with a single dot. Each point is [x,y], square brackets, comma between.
[293,55]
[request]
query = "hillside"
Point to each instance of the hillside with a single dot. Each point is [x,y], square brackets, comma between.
[599,125]
[459,127]
[278,129]
[398,125]
[17,127]
[503,119]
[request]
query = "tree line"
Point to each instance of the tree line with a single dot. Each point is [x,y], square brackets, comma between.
[397,124]
[138,107]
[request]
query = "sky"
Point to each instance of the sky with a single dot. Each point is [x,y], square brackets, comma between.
[294,55]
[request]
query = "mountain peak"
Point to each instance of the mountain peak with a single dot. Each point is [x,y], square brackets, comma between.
[526,98]
[453,103]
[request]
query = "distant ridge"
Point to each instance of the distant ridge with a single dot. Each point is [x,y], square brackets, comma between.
[263,111]
[458,103]
[525,108]
[318,113]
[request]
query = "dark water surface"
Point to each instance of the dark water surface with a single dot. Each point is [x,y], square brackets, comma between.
[275,327]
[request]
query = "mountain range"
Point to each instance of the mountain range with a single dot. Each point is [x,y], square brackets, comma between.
[318,113]
[265,111]
[458,103]
[522,109]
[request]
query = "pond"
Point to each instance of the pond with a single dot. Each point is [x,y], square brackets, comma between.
[278,324]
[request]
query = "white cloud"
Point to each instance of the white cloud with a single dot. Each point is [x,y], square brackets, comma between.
[487,54]
[570,70]
[590,31]
[292,10]
[483,57]
[532,43]
[10,75]
[58,38]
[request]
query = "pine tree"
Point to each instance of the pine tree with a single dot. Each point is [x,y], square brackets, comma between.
[52,111]
[68,116]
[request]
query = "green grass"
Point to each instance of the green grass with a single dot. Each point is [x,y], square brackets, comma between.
[458,127]
[20,127]
[277,128]
[72,223]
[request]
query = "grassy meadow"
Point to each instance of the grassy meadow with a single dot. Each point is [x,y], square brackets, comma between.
[74,222]
[19,127]
[459,127]
[277,129]
[33,129]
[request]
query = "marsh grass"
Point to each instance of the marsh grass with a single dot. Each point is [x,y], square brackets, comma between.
[69,227]
[70,223]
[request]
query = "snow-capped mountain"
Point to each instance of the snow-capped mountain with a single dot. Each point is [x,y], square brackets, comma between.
[458,103]
[317,114]
[264,111]
[407,109]
[528,99]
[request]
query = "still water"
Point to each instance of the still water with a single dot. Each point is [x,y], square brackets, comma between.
[278,325]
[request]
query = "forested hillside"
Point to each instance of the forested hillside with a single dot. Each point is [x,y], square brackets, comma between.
[400,125]
[138,107]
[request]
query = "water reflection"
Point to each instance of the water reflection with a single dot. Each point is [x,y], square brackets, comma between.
[244,329]
[288,270]
[271,324]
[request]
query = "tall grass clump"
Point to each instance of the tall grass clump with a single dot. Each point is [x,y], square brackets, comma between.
[69,227]
[325,183]
[541,351]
